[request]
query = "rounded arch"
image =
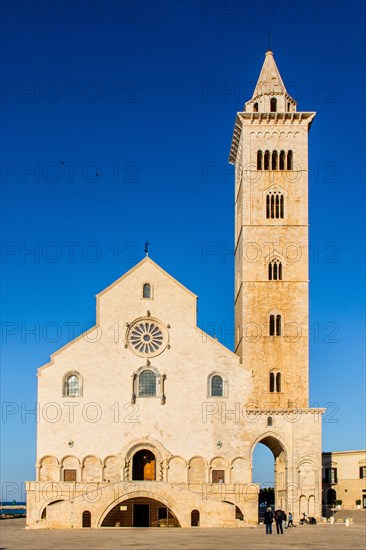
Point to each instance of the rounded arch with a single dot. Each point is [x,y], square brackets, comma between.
[147,290]
[138,494]
[48,468]
[211,381]
[69,458]
[72,384]
[43,510]
[273,441]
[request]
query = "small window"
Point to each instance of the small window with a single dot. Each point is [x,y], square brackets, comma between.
[274,386]
[288,106]
[282,160]
[273,105]
[217,386]
[195,518]
[275,325]
[146,290]
[362,472]
[69,475]
[255,108]
[275,205]
[274,160]
[266,160]
[86,519]
[278,382]
[259,160]
[218,476]
[289,161]
[270,421]
[275,270]
[147,384]
[331,475]
[72,388]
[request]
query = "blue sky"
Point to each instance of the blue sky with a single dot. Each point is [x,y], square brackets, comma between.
[116,126]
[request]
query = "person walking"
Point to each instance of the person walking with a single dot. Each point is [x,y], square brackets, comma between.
[268,520]
[278,519]
[290,522]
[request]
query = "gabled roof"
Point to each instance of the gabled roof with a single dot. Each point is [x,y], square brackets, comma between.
[146,260]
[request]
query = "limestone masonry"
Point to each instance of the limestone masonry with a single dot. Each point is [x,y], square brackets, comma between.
[148,421]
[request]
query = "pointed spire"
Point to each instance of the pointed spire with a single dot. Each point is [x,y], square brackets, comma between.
[270,86]
[269,81]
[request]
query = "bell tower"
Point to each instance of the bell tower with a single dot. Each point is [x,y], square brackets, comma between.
[270,153]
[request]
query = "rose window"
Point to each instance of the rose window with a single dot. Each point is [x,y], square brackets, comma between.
[147,338]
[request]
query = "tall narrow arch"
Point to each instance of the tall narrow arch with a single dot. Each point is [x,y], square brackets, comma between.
[273,105]
[274,160]
[282,160]
[259,160]
[289,160]
[266,160]
[275,462]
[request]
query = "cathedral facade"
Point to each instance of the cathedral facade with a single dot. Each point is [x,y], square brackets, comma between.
[148,421]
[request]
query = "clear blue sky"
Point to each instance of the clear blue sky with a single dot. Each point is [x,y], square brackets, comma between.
[125,117]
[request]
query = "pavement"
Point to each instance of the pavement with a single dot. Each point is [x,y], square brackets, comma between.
[13,536]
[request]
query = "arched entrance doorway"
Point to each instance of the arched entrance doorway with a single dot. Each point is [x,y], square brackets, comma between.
[140,512]
[144,466]
[271,472]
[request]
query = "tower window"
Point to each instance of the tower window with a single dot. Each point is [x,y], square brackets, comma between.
[259,160]
[146,290]
[273,105]
[275,270]
[274,384]
[255,108]
[275,325]
[266,160]
[274,205]
[282,160]
[270,421]
[147,384]
[289,160]
[274,160]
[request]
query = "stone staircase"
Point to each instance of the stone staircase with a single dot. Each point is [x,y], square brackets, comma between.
[357,516]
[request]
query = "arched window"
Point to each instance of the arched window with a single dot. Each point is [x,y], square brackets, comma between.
[259,160]
[274,160]
[275,205]
[147,384]
[289,160]
[266,160]
[288,106]
[195,518]
[255,108]
[282,160]
[146,290]
[274,385]
[217,386]
[275,325]
[278,382]
[71,385]
[278,325]
[275,270]
[86,519]
[273,105]
[270,421]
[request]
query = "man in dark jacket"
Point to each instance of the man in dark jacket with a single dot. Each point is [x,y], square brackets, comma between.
[278,519]
[268,520]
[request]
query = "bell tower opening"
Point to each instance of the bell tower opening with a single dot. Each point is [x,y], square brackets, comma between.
[143,466]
